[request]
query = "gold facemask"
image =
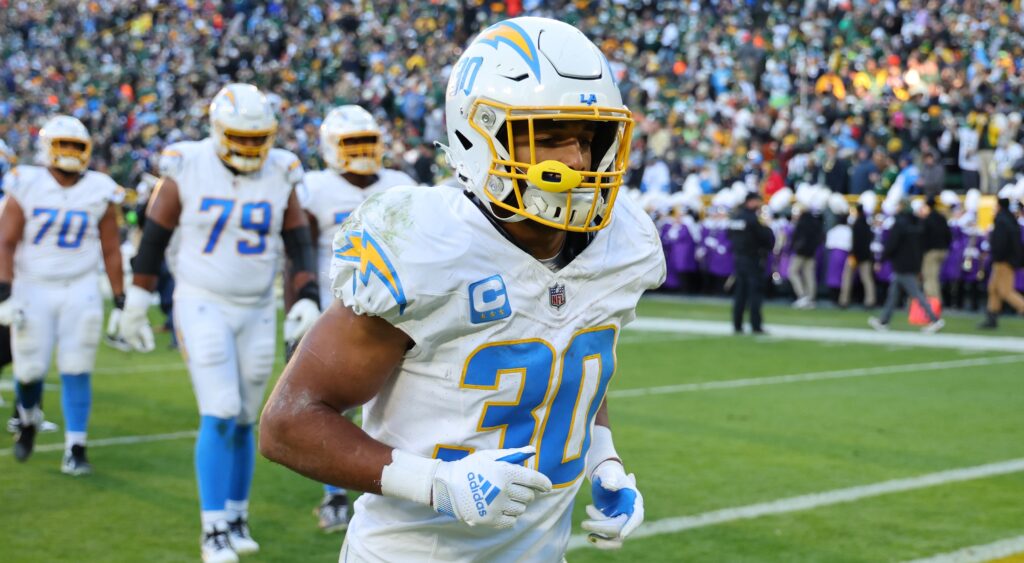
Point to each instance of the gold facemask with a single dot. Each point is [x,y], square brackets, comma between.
[360,153]
[596,189]
[73,156]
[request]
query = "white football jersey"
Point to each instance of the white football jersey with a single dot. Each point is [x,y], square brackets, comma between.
[61,240]
[229,231]
[330,198]
[507,353]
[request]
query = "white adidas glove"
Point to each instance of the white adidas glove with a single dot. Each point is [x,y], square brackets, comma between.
[487,488]
[110,336]
[300,319]
[133,324]
[618,506]
[11,313]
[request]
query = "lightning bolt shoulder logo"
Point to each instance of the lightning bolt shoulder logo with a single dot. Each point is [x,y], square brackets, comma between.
[362,249]
[515,37]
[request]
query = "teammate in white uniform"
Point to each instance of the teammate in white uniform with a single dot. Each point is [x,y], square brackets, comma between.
[352,148]
[58,225]
[479,328]
[7,161]
[230,199]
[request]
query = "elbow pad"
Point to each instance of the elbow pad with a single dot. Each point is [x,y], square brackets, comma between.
[151,249]
[298,246]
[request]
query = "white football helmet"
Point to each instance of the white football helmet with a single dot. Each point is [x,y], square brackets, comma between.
[519,73]
[350,141]
[64,144]
[243,126]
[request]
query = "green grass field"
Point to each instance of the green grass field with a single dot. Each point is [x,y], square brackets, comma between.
[694,449]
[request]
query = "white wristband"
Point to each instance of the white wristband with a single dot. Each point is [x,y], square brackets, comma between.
[409,477]
[602,449]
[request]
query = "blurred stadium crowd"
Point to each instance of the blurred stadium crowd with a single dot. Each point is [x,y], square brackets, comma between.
[814,96]
[845,93]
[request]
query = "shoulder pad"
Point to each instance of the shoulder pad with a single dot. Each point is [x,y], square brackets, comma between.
[643,238]
[113,192]
[392,178]
[387,251]
[18,180]
[171,160]
[288,164]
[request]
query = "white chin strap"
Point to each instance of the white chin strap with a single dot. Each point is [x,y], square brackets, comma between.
[68,164]
[362,165]
[552,206]
[244,163]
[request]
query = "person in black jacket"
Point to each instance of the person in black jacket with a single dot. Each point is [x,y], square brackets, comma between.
[1007,256]
[861,261]
[808,235]
[903,249]
[936,241]
[751,243]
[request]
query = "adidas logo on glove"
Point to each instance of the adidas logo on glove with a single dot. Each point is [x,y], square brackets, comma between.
[483,492]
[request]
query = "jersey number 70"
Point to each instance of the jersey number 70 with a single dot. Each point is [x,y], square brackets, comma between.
[561,431]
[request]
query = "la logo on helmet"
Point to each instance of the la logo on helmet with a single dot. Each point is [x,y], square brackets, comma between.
[589,99]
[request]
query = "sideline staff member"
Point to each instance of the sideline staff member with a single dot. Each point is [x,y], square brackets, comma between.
[751,243]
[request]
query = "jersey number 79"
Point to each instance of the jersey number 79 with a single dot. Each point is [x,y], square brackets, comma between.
[256,217]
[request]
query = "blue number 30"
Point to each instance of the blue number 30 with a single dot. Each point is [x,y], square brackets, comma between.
[558,425]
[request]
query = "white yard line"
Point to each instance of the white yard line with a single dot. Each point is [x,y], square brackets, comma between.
[979,553]
[812,376]
[845,335]
[815,500]
[116,441]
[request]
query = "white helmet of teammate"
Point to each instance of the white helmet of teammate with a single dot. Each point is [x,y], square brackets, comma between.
[520,74]
[64,144]
[243,126]
[350,141]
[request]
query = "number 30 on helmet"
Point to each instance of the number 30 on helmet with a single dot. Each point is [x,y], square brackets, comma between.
[243,126]
[520,75]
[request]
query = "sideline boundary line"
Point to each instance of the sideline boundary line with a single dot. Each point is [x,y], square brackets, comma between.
[949,341]
[812,376]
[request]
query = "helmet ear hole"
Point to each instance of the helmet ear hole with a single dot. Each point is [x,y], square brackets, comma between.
[466,144]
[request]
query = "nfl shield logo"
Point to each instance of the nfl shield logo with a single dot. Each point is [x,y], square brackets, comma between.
[556,294]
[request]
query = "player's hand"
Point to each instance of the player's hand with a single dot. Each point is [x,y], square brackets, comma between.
[11,313]
[489,487]
[618,506]
[133,325]
[110,336]
[300,319]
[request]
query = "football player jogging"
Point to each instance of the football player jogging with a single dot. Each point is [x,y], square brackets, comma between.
[479,327]
[62,221]
[353,149]
[228,198]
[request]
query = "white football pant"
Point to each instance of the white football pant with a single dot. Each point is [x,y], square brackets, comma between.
[66,314]
[229,350]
